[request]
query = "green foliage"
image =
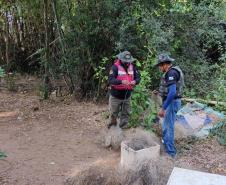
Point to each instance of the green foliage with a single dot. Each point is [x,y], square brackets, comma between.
[89,37]
[140,100]
[144,110]
[101,74]
[2,155]
[44,87]
[220,131]
[10,82]
[200,41]
[191,33]
[2,72]
[84,35]
[221,84]
[219,91]
[43,92]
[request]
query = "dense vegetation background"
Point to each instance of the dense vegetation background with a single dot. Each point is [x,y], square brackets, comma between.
[77,40]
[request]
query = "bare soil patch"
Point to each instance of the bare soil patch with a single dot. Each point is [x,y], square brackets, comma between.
[44,145]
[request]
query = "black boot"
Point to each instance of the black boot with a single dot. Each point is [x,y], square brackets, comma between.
[124,125]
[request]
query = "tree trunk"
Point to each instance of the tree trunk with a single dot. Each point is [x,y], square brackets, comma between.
[7,42]
[54,5]
[46,75]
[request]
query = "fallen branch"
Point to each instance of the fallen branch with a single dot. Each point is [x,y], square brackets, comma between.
[205,101]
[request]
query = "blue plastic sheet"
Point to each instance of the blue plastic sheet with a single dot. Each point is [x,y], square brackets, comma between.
[198,119]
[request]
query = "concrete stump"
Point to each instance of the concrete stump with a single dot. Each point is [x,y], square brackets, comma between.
[134,155]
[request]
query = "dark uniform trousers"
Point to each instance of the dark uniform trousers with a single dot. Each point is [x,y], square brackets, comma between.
[119,109]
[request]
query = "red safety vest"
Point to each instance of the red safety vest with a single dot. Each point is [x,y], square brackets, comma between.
[123,75]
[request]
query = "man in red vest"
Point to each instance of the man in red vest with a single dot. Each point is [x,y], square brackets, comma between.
[122,78]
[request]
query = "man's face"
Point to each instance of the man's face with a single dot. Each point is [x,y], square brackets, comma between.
[126,64]
[162,67]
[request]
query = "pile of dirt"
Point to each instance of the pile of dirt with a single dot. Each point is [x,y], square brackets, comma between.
[94,176]
[113,137]
[141,134]
[152,173]
[138,138]
[100,172]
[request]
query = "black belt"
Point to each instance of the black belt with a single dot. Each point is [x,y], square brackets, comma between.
[177,97]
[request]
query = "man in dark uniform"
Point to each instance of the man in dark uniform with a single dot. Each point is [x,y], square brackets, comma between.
[123,77]
[171,87]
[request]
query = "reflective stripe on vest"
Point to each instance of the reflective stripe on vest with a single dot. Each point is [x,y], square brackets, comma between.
[163,89]
[123,75]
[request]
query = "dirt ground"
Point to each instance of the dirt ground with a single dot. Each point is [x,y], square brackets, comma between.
[45,140]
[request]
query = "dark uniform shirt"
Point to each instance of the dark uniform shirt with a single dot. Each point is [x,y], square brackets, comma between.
[121,94]
[171,77]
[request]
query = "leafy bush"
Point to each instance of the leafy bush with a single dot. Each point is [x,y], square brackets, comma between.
[220,132]
[144,110]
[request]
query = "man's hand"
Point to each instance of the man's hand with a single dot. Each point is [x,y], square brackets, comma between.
[155,92]
[133,82]
[125,82]
[161,113]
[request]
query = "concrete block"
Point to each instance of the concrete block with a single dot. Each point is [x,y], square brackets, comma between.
[133,159]
[181,176]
